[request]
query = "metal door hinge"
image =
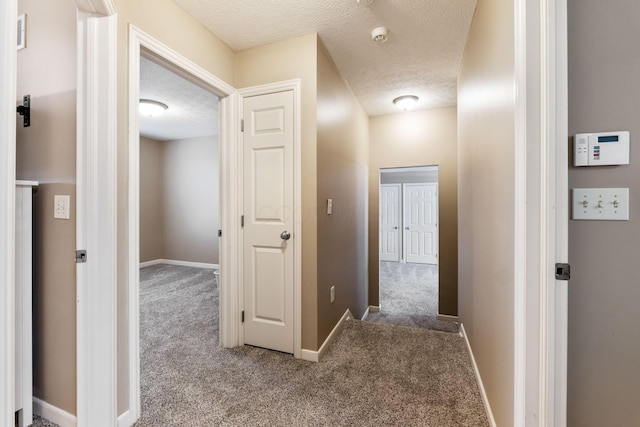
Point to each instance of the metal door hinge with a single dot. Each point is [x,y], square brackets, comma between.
[219,233]
[563,271]
[241,125]
[81,256]
[242,316]
[242,221]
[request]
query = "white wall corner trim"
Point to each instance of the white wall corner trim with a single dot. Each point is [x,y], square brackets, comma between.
[316,356]
[124,420]
[366,314]
[53,413]
[96,211]
[8,61]
[483,393]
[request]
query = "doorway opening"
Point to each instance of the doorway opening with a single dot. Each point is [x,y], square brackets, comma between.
[409,248]
[179,175]
[182,262]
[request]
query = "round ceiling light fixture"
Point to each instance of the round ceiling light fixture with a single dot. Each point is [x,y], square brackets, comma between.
[380,34]
[150,108]
[406,102]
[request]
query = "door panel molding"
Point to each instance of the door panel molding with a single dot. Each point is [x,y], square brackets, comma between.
[295,87]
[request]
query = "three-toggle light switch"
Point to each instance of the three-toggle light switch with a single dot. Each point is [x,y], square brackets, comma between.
[601,204]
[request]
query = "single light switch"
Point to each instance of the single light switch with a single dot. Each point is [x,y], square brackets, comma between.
[601,204]
[61,206]
[329,206]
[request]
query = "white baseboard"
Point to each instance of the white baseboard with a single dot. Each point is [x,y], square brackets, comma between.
[124,420]
[447,318]
[180,263]
[374,308]
[485,399]
[315,356]
[53,414]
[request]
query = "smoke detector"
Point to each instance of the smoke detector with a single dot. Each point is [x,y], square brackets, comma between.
[380,34]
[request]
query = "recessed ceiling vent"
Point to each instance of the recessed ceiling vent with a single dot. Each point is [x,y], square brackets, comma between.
[380,34]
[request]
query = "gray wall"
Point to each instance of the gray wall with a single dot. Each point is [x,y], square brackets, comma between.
[179,200]
[45,152]
[604,292]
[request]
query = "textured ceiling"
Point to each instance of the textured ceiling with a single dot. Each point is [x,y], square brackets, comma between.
[192,112]
[421,56]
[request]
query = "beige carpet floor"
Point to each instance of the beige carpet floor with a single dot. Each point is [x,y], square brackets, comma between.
[373,374]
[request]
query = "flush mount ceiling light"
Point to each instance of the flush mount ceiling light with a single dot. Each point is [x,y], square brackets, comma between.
[380,34]
[406,102]
[150,108]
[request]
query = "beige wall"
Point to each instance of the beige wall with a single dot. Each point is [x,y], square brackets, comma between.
[45,152]
[172,26]
[179,200]
[604,292]
[191,207]
[151,200]
[486,134]
[420,138]
[292,59]
[343,149]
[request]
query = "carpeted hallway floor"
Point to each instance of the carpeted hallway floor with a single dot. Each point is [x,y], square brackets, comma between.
[373,374]
[409,297]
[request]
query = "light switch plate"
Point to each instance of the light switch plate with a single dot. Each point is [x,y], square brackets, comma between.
[61,206]
[329,206]
[611,204]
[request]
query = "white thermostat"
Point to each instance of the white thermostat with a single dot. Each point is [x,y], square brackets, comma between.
[599,149]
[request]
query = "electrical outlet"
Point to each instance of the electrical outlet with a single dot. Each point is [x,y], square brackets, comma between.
[333,294]
[61,206]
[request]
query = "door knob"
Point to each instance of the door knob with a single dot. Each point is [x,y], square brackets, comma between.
[395,228]
[406,228]
[285,235]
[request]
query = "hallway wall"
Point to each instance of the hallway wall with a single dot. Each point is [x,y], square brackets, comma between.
[604,292]
[46,152]
[486,165]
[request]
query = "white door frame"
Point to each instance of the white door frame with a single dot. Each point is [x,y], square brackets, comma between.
[540,387]
[96,226]
[293,85]
[8,74]
[228,258]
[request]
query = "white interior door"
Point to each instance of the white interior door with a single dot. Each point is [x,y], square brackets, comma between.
[390,224]
[421,223]
[268,221]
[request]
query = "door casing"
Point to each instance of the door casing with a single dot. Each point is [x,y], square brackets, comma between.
[140,42]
